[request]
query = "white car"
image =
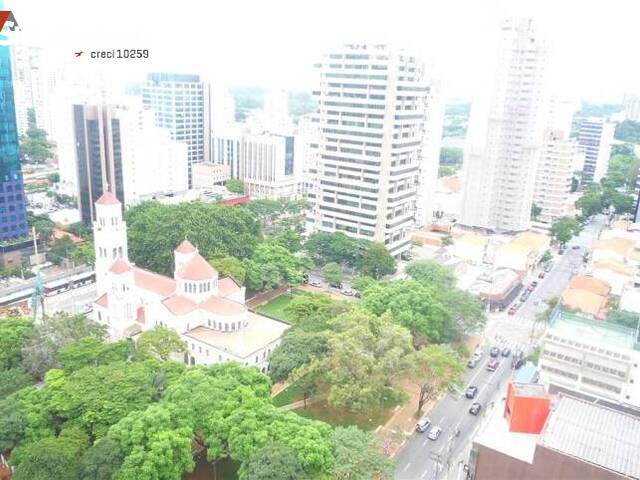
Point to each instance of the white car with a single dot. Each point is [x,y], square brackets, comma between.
[348,292]
[434,433]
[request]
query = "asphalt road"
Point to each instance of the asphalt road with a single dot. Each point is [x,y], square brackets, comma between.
[421,458]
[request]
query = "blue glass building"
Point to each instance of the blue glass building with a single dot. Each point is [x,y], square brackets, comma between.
[13,219]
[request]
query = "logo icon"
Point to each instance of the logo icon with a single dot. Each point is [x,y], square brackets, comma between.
[8,25]
[77,54]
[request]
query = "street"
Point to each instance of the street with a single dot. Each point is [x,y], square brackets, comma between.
[421,458]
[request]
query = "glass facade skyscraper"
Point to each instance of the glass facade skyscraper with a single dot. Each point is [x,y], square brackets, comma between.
[13,218]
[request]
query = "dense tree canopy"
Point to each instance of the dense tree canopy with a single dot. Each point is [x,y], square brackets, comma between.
[272,265]
[430,271]
[229,267]
[628,131]
[623,171]
[335,247]
[297,348]
[358,456]
[332,273]
[565,228]
[14,332]
[155,230]
[160,342]
[234,185]
[272,462]
[377,262]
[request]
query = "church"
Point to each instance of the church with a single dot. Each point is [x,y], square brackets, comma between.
[208,312]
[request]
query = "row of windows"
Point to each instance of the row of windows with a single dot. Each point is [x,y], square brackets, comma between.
[557,371]
[603,385]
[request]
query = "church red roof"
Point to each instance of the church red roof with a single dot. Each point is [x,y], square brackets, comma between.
[227,286]
[154,282]
[120,266]
[197,269]
[223,306]
[103,301]
[179,305]
[108,198]
[186,247]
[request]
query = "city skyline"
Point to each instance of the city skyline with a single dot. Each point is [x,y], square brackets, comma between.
[457,45]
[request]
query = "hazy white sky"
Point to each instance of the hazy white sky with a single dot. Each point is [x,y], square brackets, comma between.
[276,42]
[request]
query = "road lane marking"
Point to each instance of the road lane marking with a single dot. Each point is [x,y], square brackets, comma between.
[406,467]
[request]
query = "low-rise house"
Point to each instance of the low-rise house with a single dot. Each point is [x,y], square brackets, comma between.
[588,295]
[471,247]
[523,252]
[615,273]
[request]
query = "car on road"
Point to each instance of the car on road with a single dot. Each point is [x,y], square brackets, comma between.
[434,433]
[519,363]
[576,247]
[471,391]
[548,267]
[493,365]
[348,292]
[506,351]
[541,275]
[475,408]
[561,251]
[337,285]
[494,352]
[423,424]
[524,296]
[473,362]
[512,310]
[534,284]
[315,283]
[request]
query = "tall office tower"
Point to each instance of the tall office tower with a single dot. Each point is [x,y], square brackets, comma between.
[182,105]
[30,86]
[13,217]
[119,148]
[504,137]
[595,136]
[307,134]
[265,162]
[372,103]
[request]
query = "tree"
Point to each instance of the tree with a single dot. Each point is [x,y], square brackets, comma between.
[14,332]
[563,229]
[48,338]
[447,170]
[90,352]
[61,248]
[335,247]
[358,456]
[590,203]
[312,311]
[52,457]
[437,368]
[234,185]
[297,348]
[364,353]
[101,461]
[377,262]
[362,282]
[155,230]
[535,211]
[34,147]
[289,239]
[83,253]
[160,342]
[53,177]
[447,240]
[229,267]
[432,272]
[332,273]
[272,265]
[622,171]
[97,397]
[546,257]
[272,462]
[12,380]
[620,202]
[12,423]
[628,131]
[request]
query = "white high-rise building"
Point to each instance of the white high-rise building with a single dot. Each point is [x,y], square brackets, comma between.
[631,108]
[265,162]
[182,104]
[372,109]
[307,134]
[595,136]
[30,86]
[503,141]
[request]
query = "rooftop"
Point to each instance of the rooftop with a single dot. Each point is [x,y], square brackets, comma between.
[227,286]
[595,434]
[589,284]
[616,267]
[529,390]
[197,269]
[154,282]
[179,305]
[259,332]
[108,198]
[596,332]
[585,301]
[617,245]
[186,247]
[120,266]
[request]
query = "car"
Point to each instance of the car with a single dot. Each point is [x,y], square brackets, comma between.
[519,363]
[576,247]
[524,296]
[541,275]
[315,283]
[506,351]
[548,267]
[475,408]
[348,292]
[423,424]
[473,362]
[494,352]
[534,284]
[512,310]
[337,285]
[434,433]
[561,251]
[471,391]
[493,365]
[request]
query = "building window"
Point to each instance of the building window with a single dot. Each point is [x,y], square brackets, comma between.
[256,358]
[199,349]
[193,346]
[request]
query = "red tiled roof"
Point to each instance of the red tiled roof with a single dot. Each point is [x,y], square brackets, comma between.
[163,286]
[227,286]
[223,306]
[197,269]
[186,247]
[140,315]
[103,301]
[108,198]
[120,266]
[179,305]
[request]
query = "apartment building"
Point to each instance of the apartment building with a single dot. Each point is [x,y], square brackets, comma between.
[505,134]
[182,104]
[30,86]
[207,174]
[372,109]
[266,162]
[595,137]
[594,358]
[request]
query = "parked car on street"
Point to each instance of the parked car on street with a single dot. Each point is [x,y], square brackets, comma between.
[541,275]
[548,267]
[434,433]
[493,365]
[512,310]
[423,424]
[348,292]
[471,391]
[475,408]
[494,352]
[315,283]
[337,285]
[506,351]
[473,362]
